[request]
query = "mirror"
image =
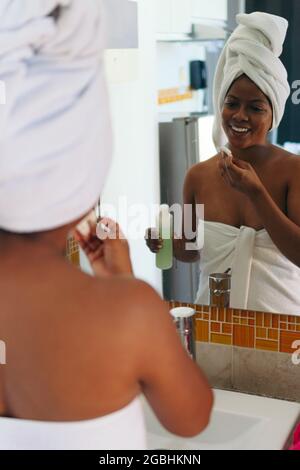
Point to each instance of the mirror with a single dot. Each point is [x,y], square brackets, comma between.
[241,233]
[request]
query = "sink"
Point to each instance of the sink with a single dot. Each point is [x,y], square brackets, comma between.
[238,422]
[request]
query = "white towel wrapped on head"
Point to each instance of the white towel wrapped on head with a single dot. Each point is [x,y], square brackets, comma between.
[55,135]
[253,49]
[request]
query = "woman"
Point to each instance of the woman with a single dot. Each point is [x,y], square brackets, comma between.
[251,210]
[80,349]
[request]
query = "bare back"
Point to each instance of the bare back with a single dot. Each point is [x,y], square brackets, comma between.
[80,347]
[53,321]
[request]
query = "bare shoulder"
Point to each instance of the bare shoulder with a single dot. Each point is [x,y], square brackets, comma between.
[92,304]
[128,317]
[285,156]
[201,170]
[127,301]
[289,162]
[293,161]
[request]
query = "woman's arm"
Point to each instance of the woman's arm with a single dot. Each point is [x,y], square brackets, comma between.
[173,384]
[181,238]
[189,224]
[283,230]
[109,256]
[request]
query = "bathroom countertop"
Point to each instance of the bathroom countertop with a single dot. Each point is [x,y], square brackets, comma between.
[239,422]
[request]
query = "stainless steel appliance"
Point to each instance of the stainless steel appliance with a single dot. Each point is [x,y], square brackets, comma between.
[181,146]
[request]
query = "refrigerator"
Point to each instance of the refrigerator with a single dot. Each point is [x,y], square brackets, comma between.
[183,142]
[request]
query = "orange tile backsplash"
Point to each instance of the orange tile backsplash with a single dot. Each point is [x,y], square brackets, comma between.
[72,251]
[220,339]
[287,339]
[227,328]
[243,328]
[215,327]
[202,331]
[273,334]
[243,336]
[259,330]
[266,345]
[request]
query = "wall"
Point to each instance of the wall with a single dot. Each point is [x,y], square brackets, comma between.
[122,31]
[288,130]
[173,73]
[251,352]
[135,168]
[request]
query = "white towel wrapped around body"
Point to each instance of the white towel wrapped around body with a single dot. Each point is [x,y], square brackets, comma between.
[122,429]
[55,135]
[253,49]
[263,278]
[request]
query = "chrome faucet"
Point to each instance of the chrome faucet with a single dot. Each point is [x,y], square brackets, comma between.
[185,324]
[219,289]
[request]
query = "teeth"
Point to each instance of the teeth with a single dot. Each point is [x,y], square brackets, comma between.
[240,129]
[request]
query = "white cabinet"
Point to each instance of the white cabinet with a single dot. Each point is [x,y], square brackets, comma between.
[209,9]
[173,16]
[181,16]
[163,16]
[177,16]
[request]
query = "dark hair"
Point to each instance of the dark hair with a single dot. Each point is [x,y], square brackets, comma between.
[245,75]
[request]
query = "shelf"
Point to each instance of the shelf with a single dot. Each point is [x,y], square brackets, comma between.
[200,32]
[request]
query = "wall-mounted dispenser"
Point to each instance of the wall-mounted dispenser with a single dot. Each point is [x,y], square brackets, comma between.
[198,83]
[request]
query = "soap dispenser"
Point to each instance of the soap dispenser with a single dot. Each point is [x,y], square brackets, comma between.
[184,319]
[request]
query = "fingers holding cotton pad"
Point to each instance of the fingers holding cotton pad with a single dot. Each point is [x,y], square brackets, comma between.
[225,150]
[109,228]
[87,226]
[103,232]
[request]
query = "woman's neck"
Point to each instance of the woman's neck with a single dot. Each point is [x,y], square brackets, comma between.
[253,154]
[13,245]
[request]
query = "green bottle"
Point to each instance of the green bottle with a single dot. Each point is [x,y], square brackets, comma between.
[164,258]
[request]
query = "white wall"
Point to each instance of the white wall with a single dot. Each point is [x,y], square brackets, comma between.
[173,71]
[135,168]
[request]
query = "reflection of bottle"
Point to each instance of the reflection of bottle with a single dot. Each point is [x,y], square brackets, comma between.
[164,258]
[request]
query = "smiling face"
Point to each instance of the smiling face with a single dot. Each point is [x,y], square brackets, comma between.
[246,115]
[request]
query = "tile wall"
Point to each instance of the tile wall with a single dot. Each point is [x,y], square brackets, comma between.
[248,329]
[248,351]
[72,251]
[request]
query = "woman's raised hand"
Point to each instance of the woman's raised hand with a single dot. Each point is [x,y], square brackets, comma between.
[109,255]
[239,174]
[153,241]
